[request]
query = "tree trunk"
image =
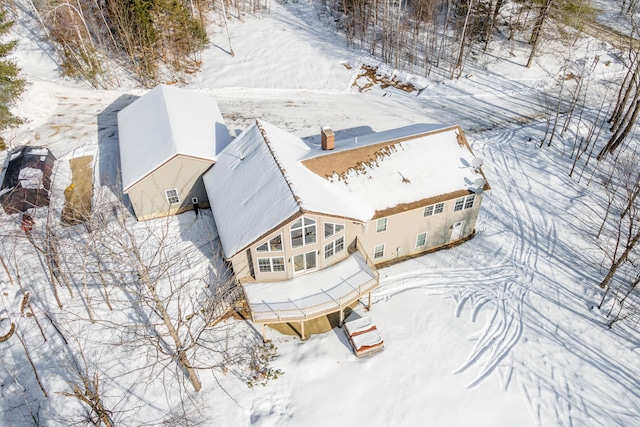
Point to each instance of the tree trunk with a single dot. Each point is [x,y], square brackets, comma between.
[621,260]
[183,360]
[463,40]
[535,34]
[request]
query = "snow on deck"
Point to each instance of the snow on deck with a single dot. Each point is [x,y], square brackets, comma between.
[311,295]
[426,166]
[164,122]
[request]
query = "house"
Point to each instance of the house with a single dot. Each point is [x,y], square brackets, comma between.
[27,179]
[305,233]
[168,138]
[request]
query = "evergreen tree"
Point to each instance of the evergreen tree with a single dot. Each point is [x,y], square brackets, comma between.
[11,85]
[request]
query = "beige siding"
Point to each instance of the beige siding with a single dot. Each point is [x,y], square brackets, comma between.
[288,253]
[148,196]
[399,239]
[403,229]
[240,265]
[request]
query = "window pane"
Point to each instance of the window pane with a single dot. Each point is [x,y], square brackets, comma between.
[439,208]
[381,225]
[309,221]
[378,251]
[262,248]
[328,250]
[172,196]
[339,227]
[264,265]
[278,263]
[309,234]
[469,202]
[421,239]
[459,205]
[297,224]
[296,238]
[298,263]
[339,244]
[276,243]
[328,230]
[428,211]
[311,260]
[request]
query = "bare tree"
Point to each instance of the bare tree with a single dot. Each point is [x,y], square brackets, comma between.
[148,263]
[620,230]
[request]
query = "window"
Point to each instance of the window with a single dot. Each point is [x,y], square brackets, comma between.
[272,245]
[303,232]
[378,251]
[468,203]
[331,229]
[172,196]
[381,225]
[433,209]
[305,262]
[334,247]
[270,265]
[464,203]
[421,240]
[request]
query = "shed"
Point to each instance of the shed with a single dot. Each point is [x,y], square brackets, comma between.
[27,179]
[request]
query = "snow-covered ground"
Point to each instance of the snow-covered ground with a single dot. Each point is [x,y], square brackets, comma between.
[499,331]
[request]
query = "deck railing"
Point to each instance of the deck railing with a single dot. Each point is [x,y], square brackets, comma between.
[319,304]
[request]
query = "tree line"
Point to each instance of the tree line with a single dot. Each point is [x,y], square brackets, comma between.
[150,40]
[423,36]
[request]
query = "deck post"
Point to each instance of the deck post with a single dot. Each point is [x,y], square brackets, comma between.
[369,303]
[341,318]
[264,333]
[302,330]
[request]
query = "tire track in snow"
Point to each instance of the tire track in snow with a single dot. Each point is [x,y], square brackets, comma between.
[501,333]
[503,286]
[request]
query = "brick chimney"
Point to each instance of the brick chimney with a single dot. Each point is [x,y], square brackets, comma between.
[328,138]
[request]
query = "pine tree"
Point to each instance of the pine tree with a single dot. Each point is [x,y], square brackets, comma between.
[11,85]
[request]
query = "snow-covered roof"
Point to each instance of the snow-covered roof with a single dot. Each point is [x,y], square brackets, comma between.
[165,122]
[267,176]
[400,166]
[259,182]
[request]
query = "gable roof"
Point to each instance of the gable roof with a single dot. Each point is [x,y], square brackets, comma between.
[259,182]
[399,167]
[165,122]
[267,177]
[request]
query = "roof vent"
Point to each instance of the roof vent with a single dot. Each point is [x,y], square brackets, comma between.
[328,138]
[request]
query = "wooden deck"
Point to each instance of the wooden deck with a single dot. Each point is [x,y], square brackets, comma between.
[329,291]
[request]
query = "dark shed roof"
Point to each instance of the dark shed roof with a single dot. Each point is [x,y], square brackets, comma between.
[27,179]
